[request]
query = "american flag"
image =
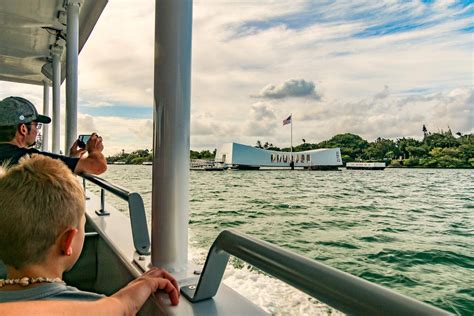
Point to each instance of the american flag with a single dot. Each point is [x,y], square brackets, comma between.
[287,120]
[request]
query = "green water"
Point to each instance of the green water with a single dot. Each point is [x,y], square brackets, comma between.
[411,230]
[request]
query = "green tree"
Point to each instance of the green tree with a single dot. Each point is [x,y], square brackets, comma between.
[442,139]
[416,151]
[352,146]
[303,147]
[205,154]
[425,131]
[404,143]
[380,149]
[466,151]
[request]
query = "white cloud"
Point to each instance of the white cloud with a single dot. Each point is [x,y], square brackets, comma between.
[290,88]
[382,94]
[122,133]
[262,111]
[426,71]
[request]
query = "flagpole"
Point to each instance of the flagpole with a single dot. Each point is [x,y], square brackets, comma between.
[291,134]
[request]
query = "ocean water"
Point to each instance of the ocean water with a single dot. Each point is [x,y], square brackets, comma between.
[411,230]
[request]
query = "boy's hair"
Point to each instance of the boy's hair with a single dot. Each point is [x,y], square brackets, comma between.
[39,199]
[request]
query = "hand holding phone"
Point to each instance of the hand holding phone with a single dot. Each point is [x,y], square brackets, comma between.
[82,140]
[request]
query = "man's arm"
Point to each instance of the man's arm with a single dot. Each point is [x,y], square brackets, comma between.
[94,162]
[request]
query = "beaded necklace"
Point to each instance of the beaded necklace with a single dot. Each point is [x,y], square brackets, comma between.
[25,281]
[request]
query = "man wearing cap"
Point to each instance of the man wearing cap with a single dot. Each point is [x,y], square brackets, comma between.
[19,126]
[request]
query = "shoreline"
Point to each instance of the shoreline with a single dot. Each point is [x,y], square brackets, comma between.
[342,167]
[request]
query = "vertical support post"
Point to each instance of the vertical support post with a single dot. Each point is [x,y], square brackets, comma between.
[56,99]
[172,89]
[85,189]
[72,52]
[45,140]
[102,211]
[102,200]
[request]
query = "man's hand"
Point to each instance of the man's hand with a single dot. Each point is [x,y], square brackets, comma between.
[134,295]
[95,162]
[94,143]
[76,151]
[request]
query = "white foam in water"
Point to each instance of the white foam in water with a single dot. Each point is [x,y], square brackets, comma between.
[272,295]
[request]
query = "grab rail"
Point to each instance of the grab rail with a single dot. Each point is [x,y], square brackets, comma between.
[343,291]
[141,238]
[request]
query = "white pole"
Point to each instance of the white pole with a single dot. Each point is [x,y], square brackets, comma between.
[172,89]
[72,51]
[56,100]
[45,140]
[291,137]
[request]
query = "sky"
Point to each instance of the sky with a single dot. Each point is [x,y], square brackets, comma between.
[373,68]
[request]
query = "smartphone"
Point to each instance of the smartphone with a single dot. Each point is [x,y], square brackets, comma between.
[82,140]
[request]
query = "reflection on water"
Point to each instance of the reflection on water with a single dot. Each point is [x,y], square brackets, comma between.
[411,230]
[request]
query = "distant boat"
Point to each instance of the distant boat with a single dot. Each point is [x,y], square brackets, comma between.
[365,165]
[206,165]
[147,163]
[119,162]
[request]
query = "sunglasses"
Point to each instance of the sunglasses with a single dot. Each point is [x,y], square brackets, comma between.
[38,125]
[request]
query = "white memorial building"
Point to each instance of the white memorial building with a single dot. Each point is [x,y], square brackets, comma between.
[248,157]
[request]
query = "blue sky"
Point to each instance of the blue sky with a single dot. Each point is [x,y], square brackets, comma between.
[119,110]
[385,21]
[375,68]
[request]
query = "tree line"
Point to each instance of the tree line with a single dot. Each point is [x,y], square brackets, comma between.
[442,149]
[140,156]
[436,150]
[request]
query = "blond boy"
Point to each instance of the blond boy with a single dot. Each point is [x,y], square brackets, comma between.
[42,233]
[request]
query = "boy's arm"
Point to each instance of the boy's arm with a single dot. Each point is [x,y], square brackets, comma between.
[134,295]
[127,301]
[105,306]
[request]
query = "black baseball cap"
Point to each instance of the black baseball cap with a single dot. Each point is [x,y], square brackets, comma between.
[16,110]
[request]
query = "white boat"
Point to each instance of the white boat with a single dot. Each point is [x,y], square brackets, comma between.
[365,165]
[37,45]
[206,165]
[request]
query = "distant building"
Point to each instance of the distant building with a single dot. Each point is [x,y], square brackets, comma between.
[248,157]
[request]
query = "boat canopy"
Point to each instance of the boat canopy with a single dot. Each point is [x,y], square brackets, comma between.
[31,30]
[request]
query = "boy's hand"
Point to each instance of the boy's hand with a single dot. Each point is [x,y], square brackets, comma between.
[134,295]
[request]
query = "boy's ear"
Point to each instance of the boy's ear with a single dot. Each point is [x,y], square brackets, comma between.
[66,239]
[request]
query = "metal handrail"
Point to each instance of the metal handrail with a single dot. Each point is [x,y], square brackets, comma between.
[141,238]
[343,291]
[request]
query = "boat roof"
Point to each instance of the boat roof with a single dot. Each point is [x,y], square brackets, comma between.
[30,29]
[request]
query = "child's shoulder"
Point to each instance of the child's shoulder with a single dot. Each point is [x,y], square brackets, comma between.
[49,291]
[71,293]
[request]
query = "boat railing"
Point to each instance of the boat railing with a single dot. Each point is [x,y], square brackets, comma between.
[136,208]
[343,291]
